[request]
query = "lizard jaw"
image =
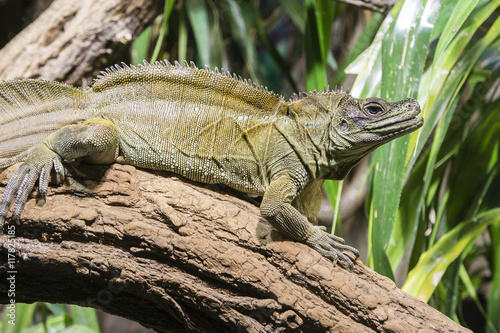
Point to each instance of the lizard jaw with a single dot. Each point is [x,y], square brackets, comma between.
[398,128]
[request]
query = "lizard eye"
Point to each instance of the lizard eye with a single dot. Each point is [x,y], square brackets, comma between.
[374,109]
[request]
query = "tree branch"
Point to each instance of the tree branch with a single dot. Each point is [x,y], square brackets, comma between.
[73,40]
[173,255]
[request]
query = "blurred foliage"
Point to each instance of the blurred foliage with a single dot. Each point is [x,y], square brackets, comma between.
[267,41]
[434,195]
[433,203]
[49,317]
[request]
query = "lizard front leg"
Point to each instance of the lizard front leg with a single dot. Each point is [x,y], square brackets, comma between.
[95,141]
[277,209]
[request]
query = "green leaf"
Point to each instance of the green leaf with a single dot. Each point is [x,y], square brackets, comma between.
[471,289]
[169,5]
[333,190]
[56,309]
[295,9]
[362,43]
[55,324]
[182,40]
[404,50]
[324,12]
[78,329]
[425,276]
[140,47]
[242,26]
[494,297]
[85,317]
[368,65]
[315,66]
[206,33]
[16,318]
[448,73]
[461,11]
[271,47]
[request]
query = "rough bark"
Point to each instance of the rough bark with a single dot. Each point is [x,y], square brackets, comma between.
[71,40]
[179,256]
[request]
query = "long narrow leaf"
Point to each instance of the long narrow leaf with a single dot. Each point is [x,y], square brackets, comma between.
[242,26]
[404,50]
[182,40]
[85,317]
[333,190]
[140,47]
[368,65]
[271,47]
[425,276]
[17,317]
[296,11]
[435,80]
[494,296]
[324,11]
[443,107]
[315,66]
[207,35]
[460,12]
[169,5]
[469,286]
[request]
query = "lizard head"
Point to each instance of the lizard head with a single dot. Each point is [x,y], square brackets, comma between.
[359,126]
[374,121]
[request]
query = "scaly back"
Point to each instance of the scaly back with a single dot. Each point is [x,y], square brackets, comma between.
[31,109]
[176,116]
[190,79]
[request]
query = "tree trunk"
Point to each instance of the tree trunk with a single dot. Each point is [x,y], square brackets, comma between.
[165,252]
[72,41]
[173,255]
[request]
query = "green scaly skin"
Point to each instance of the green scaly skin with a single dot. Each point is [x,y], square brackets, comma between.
[207,126]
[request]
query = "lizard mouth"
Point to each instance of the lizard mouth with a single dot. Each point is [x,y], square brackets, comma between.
[398,128]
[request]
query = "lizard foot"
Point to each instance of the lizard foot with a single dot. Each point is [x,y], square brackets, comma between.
[37,166]
[331,246]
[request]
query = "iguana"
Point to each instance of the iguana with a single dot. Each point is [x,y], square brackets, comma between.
[208,126]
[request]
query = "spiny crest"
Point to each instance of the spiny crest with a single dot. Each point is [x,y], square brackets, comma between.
[190,65]
[326,89]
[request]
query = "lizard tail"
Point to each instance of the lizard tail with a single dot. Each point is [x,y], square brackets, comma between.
[30,110]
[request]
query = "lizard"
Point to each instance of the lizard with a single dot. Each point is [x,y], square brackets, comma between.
[209,126]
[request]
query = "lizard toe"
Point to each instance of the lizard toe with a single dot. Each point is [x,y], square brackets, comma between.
[23,192]
[37,167]
[11,191]
[59,169]
[332,246]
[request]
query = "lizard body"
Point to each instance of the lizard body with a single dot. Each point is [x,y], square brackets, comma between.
[207,126]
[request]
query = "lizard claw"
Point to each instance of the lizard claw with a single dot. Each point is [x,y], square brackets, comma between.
[331,246]
[37,166]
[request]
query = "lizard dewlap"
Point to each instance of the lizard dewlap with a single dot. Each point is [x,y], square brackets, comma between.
[208,126]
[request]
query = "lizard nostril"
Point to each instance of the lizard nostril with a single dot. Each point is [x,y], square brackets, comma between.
[343,126]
